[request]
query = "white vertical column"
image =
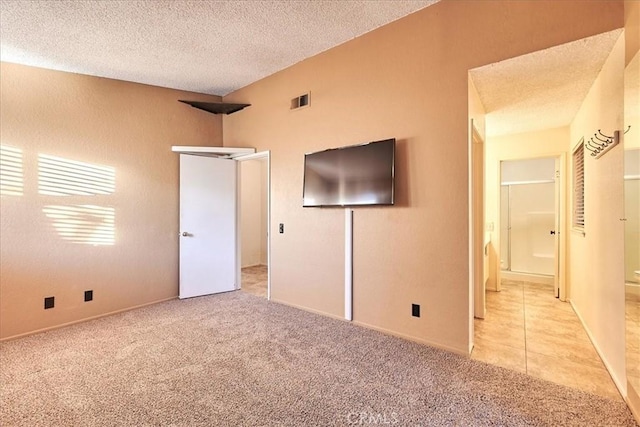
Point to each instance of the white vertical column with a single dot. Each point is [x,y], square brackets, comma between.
[348,264]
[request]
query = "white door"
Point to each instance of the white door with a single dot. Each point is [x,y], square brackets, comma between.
[207,225]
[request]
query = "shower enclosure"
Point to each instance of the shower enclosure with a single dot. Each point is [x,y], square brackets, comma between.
[527,216]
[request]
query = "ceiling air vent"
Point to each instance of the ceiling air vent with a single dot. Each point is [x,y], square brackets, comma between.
[300,101]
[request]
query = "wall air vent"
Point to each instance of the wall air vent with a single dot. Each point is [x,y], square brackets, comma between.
[300,101]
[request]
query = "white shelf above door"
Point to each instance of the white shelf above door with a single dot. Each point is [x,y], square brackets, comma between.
[223,152]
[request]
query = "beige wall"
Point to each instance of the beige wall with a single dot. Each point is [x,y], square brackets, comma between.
[126,127]
[406,80]
[632,47]
[253,214]
[597,291]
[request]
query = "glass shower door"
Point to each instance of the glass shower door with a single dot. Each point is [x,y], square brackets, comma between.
[532,223]
[632,230]
[505,250]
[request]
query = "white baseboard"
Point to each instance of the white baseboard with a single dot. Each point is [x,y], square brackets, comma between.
[633,401]
[620,385]
[526,277]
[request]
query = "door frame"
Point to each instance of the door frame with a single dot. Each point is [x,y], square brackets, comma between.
[477,223]
[561,217]
[239,154]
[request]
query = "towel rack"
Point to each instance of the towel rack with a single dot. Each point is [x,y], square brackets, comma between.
[600,143]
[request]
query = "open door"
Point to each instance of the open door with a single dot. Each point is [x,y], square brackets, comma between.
[208,257]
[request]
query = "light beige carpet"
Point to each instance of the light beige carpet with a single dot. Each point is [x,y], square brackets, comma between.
[238,360]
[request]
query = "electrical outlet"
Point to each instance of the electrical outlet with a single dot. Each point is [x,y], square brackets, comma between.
[88,296]
[49,302]
[415,310]
[281,228]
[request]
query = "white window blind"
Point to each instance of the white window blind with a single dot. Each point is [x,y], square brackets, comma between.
[578,186]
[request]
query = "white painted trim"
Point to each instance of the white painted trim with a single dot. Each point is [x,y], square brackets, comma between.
[539,181]
[633,401]
[268,225]
[562,229]
[238,226]
[527,277]
[477,284]
[258,156]
[620,385]
[252,156]
[229,152]
[348,264]
[470,255]
[498,230]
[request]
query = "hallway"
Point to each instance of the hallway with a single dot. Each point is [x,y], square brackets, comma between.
[527,329]
[254,280]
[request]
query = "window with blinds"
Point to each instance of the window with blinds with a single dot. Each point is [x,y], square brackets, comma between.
[578,186]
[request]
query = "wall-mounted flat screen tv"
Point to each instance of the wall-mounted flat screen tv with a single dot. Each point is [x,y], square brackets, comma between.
[358,175]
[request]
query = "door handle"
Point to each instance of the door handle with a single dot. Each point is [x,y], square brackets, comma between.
[552,232]
[185,234]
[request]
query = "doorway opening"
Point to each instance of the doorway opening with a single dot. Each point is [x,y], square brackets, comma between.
[524,116]
[210,219]
[528,220]
[253,209]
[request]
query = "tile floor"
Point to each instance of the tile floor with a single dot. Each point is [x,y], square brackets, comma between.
[529,330]
[632,315]
[254,280]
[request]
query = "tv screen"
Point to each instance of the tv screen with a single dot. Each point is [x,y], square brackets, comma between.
[357,175]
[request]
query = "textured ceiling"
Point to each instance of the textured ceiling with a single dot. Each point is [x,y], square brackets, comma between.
[541,90]
[202,46]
